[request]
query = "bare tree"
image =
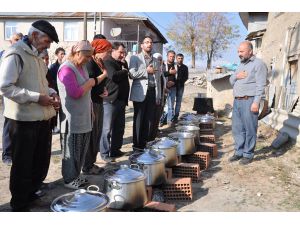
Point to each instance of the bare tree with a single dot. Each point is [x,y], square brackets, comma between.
[215,34]
[184,32]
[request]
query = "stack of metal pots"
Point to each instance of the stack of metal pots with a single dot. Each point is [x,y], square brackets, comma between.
[152,163]
[125,187]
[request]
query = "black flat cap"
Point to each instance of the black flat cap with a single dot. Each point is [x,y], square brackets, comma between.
[47,28]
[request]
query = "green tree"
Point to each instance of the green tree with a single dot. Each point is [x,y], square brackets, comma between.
[215,35]
[184,32]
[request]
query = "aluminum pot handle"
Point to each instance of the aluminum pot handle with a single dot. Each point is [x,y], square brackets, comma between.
[135,166]
[115,185]
[92,187]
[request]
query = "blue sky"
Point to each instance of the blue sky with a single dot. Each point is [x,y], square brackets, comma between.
[162,20]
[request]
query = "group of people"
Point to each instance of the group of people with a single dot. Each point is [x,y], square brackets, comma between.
[88,90]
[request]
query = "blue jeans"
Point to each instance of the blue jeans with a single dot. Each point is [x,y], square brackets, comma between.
[244,127]
[179,94]
[171,101]
[113,127]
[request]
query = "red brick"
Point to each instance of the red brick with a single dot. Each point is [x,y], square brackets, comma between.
[209,147]
[191,170]
[159,207]
[178,189]
[202,158]
[208,138]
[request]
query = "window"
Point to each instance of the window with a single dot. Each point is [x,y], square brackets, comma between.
[71,30]
[10,29]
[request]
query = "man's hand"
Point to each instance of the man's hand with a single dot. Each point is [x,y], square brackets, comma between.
[172,71]
[56,104]
[241,75]
[254,107]
[150,69]
[45,100]
[170,84]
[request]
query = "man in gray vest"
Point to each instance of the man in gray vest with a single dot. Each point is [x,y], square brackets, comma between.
[29,106]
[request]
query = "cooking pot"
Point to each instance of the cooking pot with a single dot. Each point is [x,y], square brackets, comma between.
[207,119]
[186,142]
[125,188]
[81,201]
[188,123]
[193,129]
[168,147]
[153,164]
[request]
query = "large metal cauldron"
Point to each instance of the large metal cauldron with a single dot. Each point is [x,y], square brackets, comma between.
[125,188]
[153,165]
[81,201]
[186,142]
[193,129]
[168,147]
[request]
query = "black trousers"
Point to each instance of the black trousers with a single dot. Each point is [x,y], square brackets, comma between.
[6,142]
[91,154]
[144,120]
[31,152]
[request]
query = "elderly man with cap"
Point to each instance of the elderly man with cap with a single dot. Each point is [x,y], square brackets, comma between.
[75,86]
[94,67]
[29,106]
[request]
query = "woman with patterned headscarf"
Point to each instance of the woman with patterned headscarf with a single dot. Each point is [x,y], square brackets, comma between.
[75,86]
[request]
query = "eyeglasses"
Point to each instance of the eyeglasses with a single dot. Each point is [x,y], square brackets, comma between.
[147,42]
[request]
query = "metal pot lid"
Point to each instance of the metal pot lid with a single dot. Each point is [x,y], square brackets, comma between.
[149,157]
[80,201]
[165,142]
[125,174]
[181,135]
[188,128]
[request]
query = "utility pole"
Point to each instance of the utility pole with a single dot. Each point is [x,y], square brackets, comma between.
[95,23]
[85,26]
[100,20]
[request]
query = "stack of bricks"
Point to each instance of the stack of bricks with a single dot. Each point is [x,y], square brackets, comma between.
[208,147]
[178,189]
[202,158]
[208,138]
[191,170]
[206,131]
[206,126]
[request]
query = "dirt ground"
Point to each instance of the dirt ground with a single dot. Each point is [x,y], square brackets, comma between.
[270,183]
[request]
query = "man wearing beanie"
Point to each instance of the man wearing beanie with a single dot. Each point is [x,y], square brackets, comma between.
[29,107]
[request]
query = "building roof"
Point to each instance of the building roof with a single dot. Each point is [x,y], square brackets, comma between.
[255,34]
[120,16]
[216,76]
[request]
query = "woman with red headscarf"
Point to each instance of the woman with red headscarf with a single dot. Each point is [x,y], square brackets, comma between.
[102,49]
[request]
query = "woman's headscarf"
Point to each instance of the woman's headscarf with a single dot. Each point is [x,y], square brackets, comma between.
[101,45]
[82,46]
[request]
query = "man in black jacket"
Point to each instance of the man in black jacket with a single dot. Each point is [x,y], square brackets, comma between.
[117,85]
[182,76]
